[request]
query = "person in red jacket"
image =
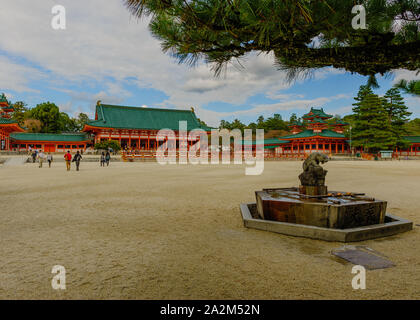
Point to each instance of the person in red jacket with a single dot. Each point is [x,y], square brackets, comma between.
[67,157]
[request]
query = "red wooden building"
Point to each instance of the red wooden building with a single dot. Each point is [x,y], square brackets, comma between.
[14,137]
[136,128]
[7,125]
[50,142]
[314,134]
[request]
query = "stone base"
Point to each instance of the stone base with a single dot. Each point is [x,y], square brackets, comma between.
[289,205]
[313,190]
[393,225]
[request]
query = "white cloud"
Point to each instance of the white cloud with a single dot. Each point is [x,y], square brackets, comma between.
[283,96]
[267,110]
[405,75]
[103,42]
[16,77]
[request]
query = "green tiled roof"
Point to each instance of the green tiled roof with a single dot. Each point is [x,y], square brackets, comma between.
[3,98]
[413,139]
[317,120]
[310,133]
[122,117]
[317,113]
[65,137]
[6,121]
[340,122]
[295,123]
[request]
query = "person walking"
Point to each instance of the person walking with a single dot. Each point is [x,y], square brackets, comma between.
[41,157]
[49,159]
[67,157]
[77,157]
[103,159]
[107,158]
[33,156]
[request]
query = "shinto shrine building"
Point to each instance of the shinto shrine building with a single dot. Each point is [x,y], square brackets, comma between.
[316,134]
[7,125]
[136,128]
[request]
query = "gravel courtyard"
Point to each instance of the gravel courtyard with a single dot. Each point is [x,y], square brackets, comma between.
[147,231]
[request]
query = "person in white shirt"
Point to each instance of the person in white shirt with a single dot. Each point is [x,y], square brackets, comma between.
[41,157]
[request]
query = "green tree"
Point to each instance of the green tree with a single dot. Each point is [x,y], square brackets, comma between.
[66,123]
[293,118]
[398,115]
[20,112]
[252,126]
[225,125]
[364,90]
[350,119]
[105,145]
[81,120]
[260,122]
[49,115]
[413,127]
[275,123]
[220,30]
[410,87]
[372,129]
[237,124]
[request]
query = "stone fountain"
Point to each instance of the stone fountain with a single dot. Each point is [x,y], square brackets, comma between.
[313,211]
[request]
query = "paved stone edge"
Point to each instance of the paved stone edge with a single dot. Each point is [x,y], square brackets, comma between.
[397,225]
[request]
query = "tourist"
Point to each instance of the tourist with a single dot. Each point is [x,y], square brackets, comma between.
[107,158]
[41,157]
[67,157]
[49,159]
[103,159]
[77,158]
[33,156]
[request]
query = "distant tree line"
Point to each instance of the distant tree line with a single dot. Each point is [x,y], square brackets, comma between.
[272,123]
[46,117]
[377,122]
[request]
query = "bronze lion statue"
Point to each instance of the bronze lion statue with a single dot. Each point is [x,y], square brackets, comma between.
[313,174]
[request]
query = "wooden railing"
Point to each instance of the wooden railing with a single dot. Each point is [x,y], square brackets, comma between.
[149,155]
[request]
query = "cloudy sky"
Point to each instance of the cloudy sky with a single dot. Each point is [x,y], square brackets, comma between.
[106,54]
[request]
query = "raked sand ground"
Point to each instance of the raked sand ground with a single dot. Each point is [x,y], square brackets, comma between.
[146,231]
